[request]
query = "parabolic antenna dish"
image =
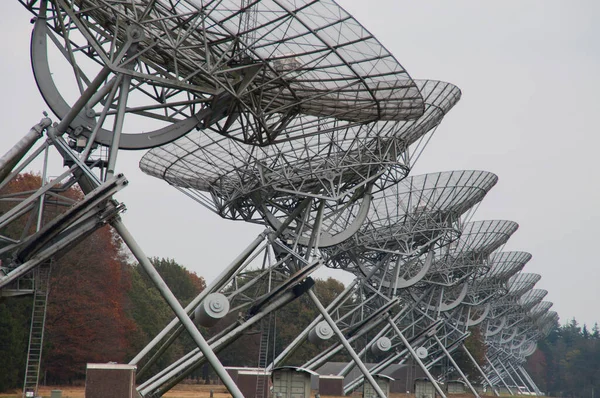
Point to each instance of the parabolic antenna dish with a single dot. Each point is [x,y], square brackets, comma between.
[504,265]
[481,238]
[547,322]
[330,150]
[422,208]
[418,212]
[246,63]
[531,298]
[525,316]
[540,309]
[493,283]
[335,161]
[469,254]
[520,283]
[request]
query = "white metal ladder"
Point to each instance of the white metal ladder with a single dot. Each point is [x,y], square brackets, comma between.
[36,333]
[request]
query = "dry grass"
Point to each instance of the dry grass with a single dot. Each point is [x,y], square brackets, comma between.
[181,391]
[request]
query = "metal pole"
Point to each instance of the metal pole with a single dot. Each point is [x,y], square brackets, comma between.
[43,196]
[417,359]
[177,308]
[437,340]
[376,369]
[13,213]
[11,158]
[118,126]
[519,377]
[508,373]
[291,348]
[82,101]
[499,376]
[526,375]
[487,380]
[380,367]
[44,255]
[216,284]
[347,345]
[185,367]
[100,121]
[17,170]
[348,368]
[334,349]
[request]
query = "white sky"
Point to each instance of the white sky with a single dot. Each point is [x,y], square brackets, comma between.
[528,71]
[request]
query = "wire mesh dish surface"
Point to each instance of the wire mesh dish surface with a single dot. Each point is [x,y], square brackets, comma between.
[405,217]
[340,162]
[253,63]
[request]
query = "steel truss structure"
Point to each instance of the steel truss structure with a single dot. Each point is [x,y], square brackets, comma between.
[406,226]
[291,115]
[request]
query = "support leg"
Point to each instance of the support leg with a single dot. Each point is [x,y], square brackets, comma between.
[177,308]
[417,359]
[462,375]
[291,348]
[530,380]
[214,286]
[499,375]
[487,380]
[519,377]
[347,345]
[508,373]
[16,153]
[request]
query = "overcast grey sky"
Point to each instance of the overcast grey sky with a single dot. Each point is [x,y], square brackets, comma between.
[528,71]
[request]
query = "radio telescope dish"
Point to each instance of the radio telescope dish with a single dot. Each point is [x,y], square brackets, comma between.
[493,284]
[522,282]
[419,212]
[531,298]
[189,64]
[336,161]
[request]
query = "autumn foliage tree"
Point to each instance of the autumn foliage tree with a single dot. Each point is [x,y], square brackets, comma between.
[87,319]
[150,312]
[293,318]
[102,307]
[475,343]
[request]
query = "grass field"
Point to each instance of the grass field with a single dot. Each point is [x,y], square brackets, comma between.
[181,391]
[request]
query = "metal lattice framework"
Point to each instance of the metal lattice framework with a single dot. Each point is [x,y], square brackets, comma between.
[338,162]
[532,298]
[290,114]
[494,283]
[468,256]
[518,341]
[363,309]
[421,211]
[518,285]
[416,320]
[254,65]
[258,73]
[443,291]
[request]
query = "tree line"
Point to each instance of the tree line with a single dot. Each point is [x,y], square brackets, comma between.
[103,308]
[567,361]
